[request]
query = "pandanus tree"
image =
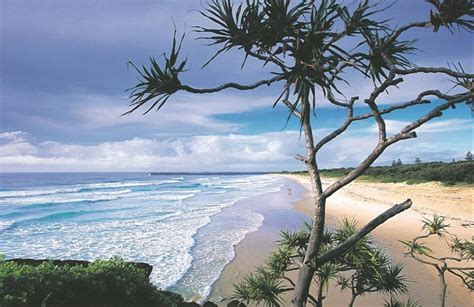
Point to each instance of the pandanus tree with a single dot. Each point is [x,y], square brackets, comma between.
[311,46]
[457,264]
[363,269]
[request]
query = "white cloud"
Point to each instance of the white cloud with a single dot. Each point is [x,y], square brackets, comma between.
[232,152]
[198,153]
[15,143]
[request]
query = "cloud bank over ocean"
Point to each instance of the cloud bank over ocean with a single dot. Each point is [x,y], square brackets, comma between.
[271,151]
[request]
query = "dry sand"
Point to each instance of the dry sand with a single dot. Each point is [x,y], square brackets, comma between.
[363,201]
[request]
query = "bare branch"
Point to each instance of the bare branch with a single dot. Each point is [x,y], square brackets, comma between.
[230,85]
[419,24]
[463,279]
[337,132]
[424,261]
[360,169]
[405,133]
[346,245]
[434,70]
[436,112]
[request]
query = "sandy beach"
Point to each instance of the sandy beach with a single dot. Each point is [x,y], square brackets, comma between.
[362,201]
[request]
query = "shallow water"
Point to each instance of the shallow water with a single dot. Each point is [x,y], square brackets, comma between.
[162,220]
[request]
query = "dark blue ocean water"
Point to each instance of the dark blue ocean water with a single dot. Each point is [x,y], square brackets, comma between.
[137,216]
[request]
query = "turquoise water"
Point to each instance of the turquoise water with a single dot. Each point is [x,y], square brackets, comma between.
[163,220]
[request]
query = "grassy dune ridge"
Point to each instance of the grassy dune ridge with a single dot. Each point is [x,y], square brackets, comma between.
[448,173]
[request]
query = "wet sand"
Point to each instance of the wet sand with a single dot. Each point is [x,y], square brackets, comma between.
[363,201]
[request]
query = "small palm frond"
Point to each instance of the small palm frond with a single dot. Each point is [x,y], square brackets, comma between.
[392,281]
[236,26]
[326,273]
[464,83]
[294,239]
[280,260]
[242,292]
[157,84]
[281,20]
[260,287]
[437,225]
[383,52]
[395,303]
[464,248]
[346,230]
[469,279]
[414,247]
[360,20]
[450,14]
[343,282]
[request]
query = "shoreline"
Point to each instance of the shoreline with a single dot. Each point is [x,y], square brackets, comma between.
[279,214]
[363,201]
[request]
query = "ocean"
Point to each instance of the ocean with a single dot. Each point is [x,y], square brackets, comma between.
[177,223]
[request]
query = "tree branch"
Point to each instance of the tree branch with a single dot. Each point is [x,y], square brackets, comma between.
[436,112]
[419,24]
[349,243]
[230,85]
[434,70]
[345,125]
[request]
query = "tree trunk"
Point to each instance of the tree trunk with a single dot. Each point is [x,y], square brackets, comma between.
[351,303]
[303,283]
[307,269]
[319,303]
[444,286]
[306,272]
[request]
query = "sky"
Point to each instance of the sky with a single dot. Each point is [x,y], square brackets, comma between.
[63,75]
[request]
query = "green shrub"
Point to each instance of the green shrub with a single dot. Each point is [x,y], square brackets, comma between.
[102,283]
[449,173]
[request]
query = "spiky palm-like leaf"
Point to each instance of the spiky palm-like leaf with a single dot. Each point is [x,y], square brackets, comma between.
[450,14]
[280,260]
[253,24]
[157,84]
[437,225]
[464,248]
[396,303]
[392,281]
[294,239]
[260,287]
[343,282]
[326,273]
[237,26]
[383,48]
[282,20]
[470,280]
[414,247]
[463,83]
[359,19]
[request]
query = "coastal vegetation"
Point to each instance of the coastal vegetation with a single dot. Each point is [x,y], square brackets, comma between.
[448,173]
[311,47]
[456,263]
[365,268]
[111,282]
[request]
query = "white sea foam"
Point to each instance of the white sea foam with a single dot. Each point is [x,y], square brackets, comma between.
[83,187]
[66,198]
[187,234]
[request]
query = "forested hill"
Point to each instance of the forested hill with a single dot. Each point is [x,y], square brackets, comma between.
[448,173]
